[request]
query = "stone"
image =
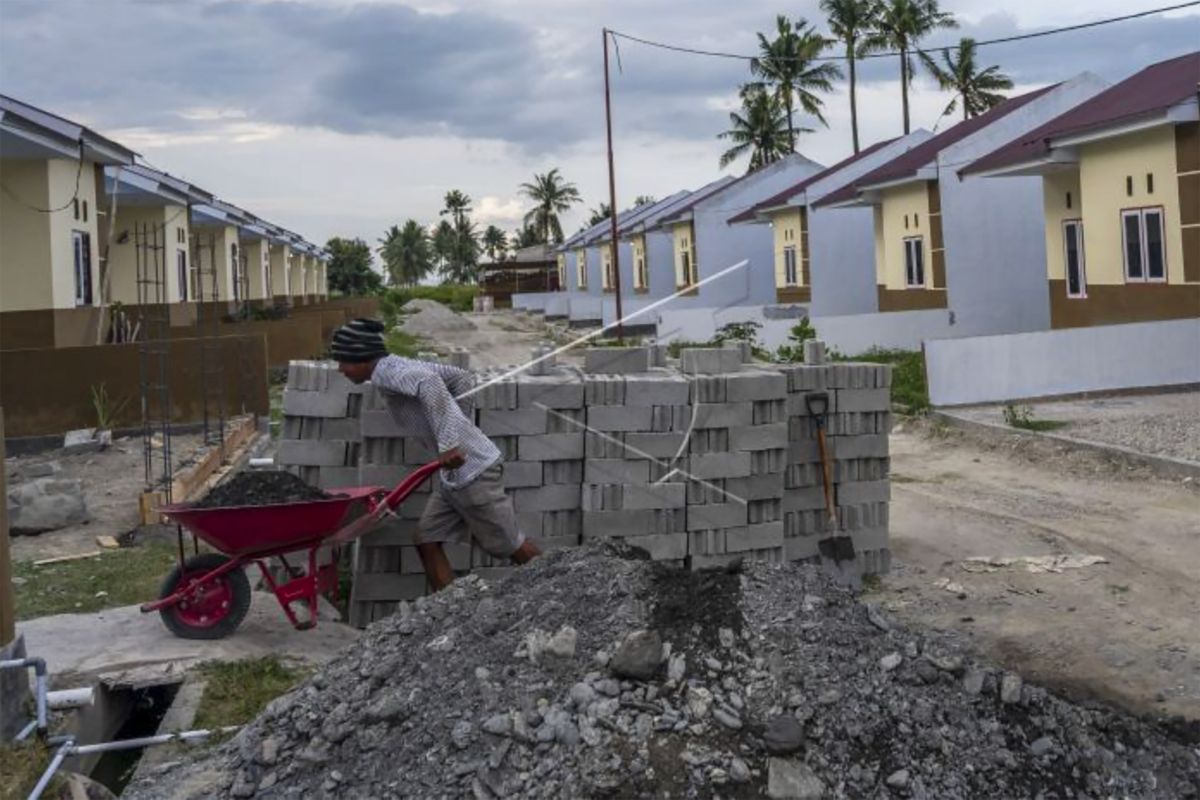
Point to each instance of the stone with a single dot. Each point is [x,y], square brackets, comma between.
[461,734]
[727,718]
[46,504]
[890,661]
[973,682]
[793,780]
[83,440]
[1041,746]
[268,751]
[497,725]
[783,735]
[1010,688]
[43,470]
[243,786]
[562,643]
[582,695]
[739,772]
[725,637]
[639,656]
[676,667]
[898,779]
[699,702]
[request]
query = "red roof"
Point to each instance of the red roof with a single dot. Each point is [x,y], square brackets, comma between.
[782,197]
[906,164]
[1154,89]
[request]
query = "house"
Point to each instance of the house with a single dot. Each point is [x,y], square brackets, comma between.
[703,243]
[255,239]
[1120,180]
[971,247]
[825,258]
[634,277]
[51,223]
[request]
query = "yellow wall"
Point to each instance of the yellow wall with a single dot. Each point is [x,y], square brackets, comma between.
[685,241]
[296,274]
[172,232]
[638,248]
[281,256]
[63,176]
[213,251]
[910,200]
[787,228]
[258,258]
[581,268]
[1055,187]
[25,282]
[1103,167]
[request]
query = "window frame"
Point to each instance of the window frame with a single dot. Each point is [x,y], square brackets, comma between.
[81,259]
[920,242]
[1082,293]
[181,273]
[581,270]
[793,279]
[1143,247]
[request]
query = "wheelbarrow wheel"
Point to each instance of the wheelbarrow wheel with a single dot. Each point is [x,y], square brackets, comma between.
[210,610]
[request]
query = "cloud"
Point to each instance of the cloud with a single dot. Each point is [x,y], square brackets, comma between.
[505,212]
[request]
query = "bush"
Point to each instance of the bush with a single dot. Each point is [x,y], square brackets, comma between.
[457,297]
[793,351]
[1022,417]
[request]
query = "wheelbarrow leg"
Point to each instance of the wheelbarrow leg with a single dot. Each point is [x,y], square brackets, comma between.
[287,594]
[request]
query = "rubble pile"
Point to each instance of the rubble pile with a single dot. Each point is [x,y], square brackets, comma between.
[591,673]
[269,487]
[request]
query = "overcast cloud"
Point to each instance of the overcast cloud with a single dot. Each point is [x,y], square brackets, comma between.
[335,117]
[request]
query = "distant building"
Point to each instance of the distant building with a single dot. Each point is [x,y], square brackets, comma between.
[531,269]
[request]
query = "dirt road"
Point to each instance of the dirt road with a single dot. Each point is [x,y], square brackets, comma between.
[1126,631]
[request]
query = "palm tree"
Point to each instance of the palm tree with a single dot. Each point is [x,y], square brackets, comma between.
[405,254]
[644,200]
[551,196]
[494,242]
[786,64]
[903,23]
[598,215]
[463,261]
[442,242]
[978,89]
[458,205]
[760,129]
[527,236]
[853,22]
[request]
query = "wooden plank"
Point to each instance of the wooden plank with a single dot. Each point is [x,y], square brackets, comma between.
[60,559]
[108,542]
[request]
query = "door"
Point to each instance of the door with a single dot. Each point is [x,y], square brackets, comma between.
[81,242]
[1073,258]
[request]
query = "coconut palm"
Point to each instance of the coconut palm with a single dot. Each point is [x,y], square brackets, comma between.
[978,89]
[405,254]
[853,23]
[598,215]
[786,64]
[644,200]
[551,196]
[442,244]
[903,23]
[495,242]
[458,205]
[760,129]
[462,263]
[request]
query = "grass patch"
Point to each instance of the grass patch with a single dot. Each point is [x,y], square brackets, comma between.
[1118,588]
[402,343]
[275,397]
[118,577]
[1022,417]
[21,765]
[458,297]
[910,394]
[236,692]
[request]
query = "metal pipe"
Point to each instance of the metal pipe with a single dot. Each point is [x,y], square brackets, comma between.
[51,768]
[70,698]
[147,741]
[28,729]
[40,685]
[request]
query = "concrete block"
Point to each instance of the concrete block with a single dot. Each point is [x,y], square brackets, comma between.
[707,542]
[719,465]
[814,352]
[756,487]
[615,470]
[616,360]
[869,539]
[800,548]
[560,471]
[315,404]
[302,452]
[546,498]
[806,451]
[656,445]
[417,453]
[514,422]
[864,399]
[863,492]
[551,447]
[530,522]
[708,388]
[562,524]
[653,496]
[807,499]
[699,562]
[619,418]
[715,516]
[755,537]
[759,437]
[710,361]
[603,390]
[382,451]
[629,523]
[723,415]
[566,420]
[797,407]
[379,424]
[522,474]
[755,385]
[338,477]
[874,562]
[657,389]
[764,462]
[875,446]
[661,546]
[563,390]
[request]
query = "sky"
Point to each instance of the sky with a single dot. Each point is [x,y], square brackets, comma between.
[341,117]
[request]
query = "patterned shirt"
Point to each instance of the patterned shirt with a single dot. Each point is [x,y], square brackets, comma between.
[420,396]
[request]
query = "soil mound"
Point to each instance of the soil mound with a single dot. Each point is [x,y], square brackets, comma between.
[589,673]
[430,318]
[252,488]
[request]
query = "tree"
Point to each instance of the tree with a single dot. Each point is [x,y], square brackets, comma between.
[644,200]
[527,236]
[551,196]
[458,205]
[786,64]
[442,244]
[494,242]
[853,22]
[350,269]
[462,262]
[760,129]
[979,90]
[406,254]
[903,23]
[598,215]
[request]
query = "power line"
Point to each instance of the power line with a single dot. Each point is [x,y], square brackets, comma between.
[892,54]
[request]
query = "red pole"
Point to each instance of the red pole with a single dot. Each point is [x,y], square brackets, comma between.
[612,193]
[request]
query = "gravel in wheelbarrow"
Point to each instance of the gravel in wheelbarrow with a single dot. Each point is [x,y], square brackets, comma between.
[253,488]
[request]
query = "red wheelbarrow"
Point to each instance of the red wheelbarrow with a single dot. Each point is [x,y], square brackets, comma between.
[207,596]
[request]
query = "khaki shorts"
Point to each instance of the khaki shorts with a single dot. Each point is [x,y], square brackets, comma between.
[481,510]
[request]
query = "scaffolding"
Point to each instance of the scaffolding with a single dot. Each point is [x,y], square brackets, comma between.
[153,334]
[208,332]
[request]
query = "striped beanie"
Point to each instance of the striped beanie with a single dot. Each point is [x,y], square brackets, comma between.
[358,341]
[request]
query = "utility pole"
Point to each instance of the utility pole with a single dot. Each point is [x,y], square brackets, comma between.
[612,194]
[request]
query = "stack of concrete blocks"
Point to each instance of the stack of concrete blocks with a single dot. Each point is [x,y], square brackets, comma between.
[321,436]
[736,455]
[633,489]
[857,426]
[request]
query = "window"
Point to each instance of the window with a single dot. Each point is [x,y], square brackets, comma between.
[685,268]
[1068,199]
[181,274]
[906,222]
[82,244]
[1143,245]
[916,220]
[1129,185]
[914,263]
[1073,258]
[641,277]
[85,210]
[581,269]
[1149,183]
[75,207]
[789,266]
[236,264]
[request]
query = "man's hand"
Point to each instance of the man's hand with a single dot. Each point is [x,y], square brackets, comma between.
[452,458]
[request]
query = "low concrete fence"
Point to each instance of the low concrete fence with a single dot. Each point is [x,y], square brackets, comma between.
[990,369]
[585,309]
[701,463]
[49,390]
[299,336]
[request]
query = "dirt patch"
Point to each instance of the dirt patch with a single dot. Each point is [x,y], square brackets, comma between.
[267,488]
[691,608]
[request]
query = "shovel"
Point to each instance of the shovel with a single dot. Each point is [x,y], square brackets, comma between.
[837,550]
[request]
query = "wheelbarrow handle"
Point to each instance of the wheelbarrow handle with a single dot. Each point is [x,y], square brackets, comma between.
[411,481]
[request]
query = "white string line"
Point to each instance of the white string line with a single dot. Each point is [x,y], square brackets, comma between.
[593,334]
[641,454]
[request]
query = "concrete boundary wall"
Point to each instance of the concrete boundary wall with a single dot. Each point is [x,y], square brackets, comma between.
[993,369]
[895,330]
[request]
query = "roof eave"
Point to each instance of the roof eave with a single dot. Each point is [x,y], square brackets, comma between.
[1186,111]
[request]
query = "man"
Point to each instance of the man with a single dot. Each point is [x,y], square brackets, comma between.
[469,499]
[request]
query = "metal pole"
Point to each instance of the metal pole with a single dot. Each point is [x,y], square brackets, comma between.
[612,194]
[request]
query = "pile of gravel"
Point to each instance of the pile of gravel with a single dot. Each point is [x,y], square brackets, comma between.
[254,488]
[431,319]
[591,674]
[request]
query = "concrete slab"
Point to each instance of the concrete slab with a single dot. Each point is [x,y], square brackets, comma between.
[124,646]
